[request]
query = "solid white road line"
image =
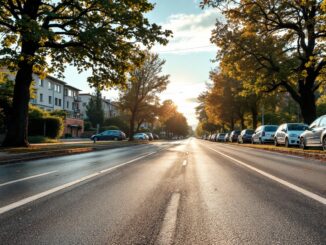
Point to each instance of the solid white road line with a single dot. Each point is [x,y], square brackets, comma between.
[27,178]
[283,182]
[24,201]
[166,234]
[184,163]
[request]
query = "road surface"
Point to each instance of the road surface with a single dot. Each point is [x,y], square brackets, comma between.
[183,192]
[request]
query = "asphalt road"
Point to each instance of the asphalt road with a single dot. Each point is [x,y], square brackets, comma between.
[184,192]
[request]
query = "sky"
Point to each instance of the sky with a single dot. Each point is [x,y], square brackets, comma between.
[188,54]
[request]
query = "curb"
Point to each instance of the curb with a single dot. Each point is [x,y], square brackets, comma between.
[58,153]
[310,155]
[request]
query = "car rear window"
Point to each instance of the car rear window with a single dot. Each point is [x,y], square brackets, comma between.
[297,127]
[270,128]
[249,131]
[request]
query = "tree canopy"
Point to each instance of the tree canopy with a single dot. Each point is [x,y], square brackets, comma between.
[44,36]
[280,45]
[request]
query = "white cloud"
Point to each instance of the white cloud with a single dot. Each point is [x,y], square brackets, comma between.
[191,32]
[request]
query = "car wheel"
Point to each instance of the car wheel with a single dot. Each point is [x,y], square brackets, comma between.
[286,142]
[324,143]
[252,141]
[261,142]
[95,139]
[275,142]
[303,144]
[115,138]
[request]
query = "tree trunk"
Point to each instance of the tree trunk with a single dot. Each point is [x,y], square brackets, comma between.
[308,106]
[132,127]
[242,121]
[18,121]
[254,115]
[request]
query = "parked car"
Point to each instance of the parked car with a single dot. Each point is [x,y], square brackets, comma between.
[150,135]
[109,135]
[245,136]
[156,137]
[227,137]
[220,137]
[264,134]
[289,134]
[212,137]
[234,135]
[141,136]
[315,134]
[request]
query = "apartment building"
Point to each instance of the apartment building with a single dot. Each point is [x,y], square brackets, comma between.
[110,109]
[54,94]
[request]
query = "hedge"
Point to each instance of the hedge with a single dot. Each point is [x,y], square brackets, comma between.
[51,127]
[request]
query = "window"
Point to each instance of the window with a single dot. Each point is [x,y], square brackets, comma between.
[56,101]
[57,88]
[41,97]
[59,102]
[69,93]
[50,85]
[50,100]
[84,104]
[68,104]
[66,92]
[323,122]
[40,83]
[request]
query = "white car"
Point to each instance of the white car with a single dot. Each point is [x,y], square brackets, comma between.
[141,136]
[289,134]
[264,134]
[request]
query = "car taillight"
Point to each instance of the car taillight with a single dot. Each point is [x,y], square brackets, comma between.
[263,134]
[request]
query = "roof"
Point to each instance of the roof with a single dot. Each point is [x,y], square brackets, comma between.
[69,86]
[56,80]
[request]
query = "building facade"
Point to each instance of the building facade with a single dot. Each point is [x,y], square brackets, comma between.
[110,109]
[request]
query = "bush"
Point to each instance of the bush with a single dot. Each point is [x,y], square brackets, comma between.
[51,127]
[68,135]
[87,126]
[35,112]
[40,139]
[112,127]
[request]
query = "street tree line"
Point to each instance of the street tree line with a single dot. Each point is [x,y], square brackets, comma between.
[274,46]
[140,105]
[43,37]
[270,52]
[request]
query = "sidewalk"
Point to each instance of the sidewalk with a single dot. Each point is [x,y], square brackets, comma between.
[39,151]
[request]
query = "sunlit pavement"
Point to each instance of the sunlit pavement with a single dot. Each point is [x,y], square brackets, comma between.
[183,192]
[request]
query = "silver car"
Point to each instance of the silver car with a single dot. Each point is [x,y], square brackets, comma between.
[315,135]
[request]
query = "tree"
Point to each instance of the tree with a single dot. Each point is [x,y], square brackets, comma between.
[177,125]
[43,36]
[142,88]
[94,110]
[281,41]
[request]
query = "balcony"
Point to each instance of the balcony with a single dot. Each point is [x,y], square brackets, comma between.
[77,99]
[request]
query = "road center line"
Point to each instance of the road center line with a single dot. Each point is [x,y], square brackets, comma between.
[281,181]
[27,178]
[166,234]
[27,200]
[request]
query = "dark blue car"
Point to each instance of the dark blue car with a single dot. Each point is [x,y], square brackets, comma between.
[109,135]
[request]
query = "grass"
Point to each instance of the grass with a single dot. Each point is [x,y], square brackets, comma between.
[49,146]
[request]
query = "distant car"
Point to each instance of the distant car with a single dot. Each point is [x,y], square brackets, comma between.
[227,137]
[289,134]
[245,136]
[141,136]
[264,134]
[234,135]
[220,137]
[109,135]
[150,135]
[315,134]
[212,137]
[156,137]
